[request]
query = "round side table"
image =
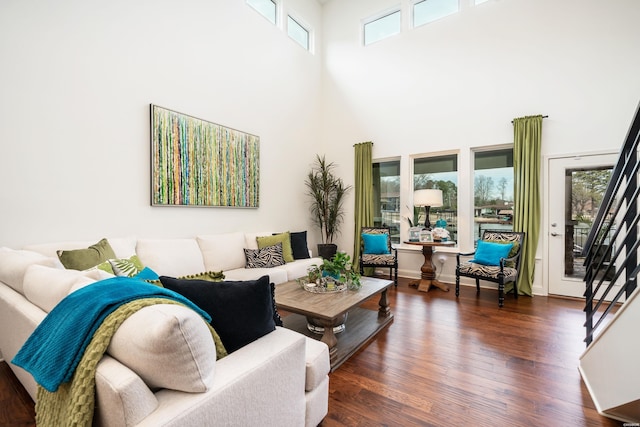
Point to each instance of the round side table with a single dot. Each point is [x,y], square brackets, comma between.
[428,276]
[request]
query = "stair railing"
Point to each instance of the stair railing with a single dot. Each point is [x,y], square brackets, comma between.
[611,250]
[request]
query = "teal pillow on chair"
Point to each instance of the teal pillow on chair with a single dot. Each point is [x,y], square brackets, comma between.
[488,253]
[375,244]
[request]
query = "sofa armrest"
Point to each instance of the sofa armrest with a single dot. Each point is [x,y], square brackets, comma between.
[122,398]
[262,383]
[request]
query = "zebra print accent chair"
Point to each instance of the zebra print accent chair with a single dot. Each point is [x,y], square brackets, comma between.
[389,260]
[506,272]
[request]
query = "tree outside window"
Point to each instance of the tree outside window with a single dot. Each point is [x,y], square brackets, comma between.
[439,172]
[493,191]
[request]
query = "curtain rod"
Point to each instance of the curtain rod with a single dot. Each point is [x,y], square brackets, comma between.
[544,117]
[363,143]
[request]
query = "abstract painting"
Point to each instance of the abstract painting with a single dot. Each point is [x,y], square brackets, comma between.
[198,163]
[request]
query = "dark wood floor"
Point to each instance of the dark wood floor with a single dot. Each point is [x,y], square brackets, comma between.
[446,362]
[465,362]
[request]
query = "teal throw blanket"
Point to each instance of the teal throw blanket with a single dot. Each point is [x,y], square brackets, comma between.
[53,351]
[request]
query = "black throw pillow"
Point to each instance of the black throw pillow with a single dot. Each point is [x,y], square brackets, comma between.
[276,316]
[241,311]
[299,245]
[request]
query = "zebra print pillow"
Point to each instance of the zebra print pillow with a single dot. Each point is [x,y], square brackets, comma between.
[267,257]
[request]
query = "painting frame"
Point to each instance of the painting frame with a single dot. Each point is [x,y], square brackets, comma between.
[195,162]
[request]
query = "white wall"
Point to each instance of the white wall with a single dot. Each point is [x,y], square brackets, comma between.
[77,78]
[457,83]
[76,81]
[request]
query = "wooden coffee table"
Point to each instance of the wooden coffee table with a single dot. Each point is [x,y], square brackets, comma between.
[328,308]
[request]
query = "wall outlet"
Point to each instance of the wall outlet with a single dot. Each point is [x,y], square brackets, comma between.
[442,259]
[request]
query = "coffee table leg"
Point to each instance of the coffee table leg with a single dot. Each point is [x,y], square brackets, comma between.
[329,338]
[384,310]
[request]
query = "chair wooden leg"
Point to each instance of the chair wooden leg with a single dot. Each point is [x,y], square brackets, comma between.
[477,286]
[457,285]
[501,293]
[395,277]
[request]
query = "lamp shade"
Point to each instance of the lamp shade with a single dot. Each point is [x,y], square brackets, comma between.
[429,197]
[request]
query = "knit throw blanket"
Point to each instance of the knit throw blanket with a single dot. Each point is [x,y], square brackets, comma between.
[64,350]
[73,404]
[54,349]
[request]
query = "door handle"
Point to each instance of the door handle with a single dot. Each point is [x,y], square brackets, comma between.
[555,234]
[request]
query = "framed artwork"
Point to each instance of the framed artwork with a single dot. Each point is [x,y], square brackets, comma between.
[426,236]
[199,163]
[414,234]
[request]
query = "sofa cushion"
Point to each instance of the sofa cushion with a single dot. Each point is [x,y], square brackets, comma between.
[171,257]
[299,245]
[241,312]
[124,247]
[267,257]
[14,264]
[276,275]
[46,286]
[317,363]
[251,239]
[84,258]
[282,238]
[222,251]
[300,267]
[176,350]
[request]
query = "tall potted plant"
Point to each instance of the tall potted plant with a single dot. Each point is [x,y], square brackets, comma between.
[327,193]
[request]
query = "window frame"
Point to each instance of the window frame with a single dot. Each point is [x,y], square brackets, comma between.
[304,26]
[413,13]
[277,11]
[377,17]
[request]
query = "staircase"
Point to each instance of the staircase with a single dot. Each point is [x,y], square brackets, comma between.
[610,366]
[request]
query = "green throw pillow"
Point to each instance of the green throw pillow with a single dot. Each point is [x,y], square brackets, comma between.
[283,238]
[209,276]
[126,267]
[83,259]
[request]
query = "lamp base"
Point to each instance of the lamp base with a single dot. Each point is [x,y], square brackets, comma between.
[427,223]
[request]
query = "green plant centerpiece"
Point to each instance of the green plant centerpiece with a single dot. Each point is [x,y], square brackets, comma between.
[334,275]
[327,193]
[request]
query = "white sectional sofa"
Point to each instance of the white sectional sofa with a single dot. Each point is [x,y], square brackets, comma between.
[280,379]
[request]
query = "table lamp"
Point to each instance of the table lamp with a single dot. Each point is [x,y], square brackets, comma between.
[427,198]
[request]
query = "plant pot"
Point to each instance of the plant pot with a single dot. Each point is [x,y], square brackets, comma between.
[327,250]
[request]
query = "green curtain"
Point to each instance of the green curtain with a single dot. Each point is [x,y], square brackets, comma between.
[527,142]
[363,209]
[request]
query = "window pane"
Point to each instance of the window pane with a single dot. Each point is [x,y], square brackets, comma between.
[381,28]
[439,172]
[493,191]
[266,8]
[298,32]
[429,10]
[386,197]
